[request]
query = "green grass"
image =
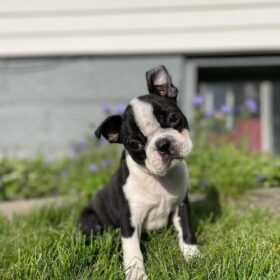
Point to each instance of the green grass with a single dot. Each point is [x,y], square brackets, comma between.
[234,244]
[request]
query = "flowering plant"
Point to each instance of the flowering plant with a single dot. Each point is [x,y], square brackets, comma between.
[209,122]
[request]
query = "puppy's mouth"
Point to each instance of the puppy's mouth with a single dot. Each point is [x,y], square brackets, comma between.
[168,160]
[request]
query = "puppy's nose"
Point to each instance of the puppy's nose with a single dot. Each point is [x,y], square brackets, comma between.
[163,145]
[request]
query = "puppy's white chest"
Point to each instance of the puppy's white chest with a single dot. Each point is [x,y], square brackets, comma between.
[151,199]
[157,213]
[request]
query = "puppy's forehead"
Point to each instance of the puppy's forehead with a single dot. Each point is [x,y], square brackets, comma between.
[144,116]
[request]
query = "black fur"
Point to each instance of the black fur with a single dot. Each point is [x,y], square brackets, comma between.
[110,207]
[186,222]
[131,134]
[110,129]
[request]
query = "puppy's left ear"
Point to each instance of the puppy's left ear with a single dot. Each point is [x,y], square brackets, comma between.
[110,129]
[160,83]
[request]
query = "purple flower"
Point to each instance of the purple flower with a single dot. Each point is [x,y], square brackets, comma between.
[260,178]
[107,162]
[92,167]
[106,108]
[77,147]
[121,108]
[197,101]
[226,109]
[209,113]
[251,105]
[82,143]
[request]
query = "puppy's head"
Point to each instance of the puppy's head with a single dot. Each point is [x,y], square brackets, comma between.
[153,129]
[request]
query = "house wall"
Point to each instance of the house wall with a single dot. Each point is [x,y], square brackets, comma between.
[32,27]
[48,104]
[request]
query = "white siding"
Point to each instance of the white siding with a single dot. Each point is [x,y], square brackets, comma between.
[34,27]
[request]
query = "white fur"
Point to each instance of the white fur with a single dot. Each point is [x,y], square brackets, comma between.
[152,198]
[180,141]
[132,257]
[188,250]
[144,116]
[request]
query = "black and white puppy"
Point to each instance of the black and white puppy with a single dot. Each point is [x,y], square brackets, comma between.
[151,183]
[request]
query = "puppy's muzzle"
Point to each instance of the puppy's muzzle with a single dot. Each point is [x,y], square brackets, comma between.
[164,146]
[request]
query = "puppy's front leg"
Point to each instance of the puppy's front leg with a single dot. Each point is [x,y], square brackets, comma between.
[132,255]
[183,224]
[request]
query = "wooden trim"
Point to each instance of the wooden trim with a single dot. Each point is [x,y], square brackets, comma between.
[154,43]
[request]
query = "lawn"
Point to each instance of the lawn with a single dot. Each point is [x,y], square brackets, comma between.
[234,244]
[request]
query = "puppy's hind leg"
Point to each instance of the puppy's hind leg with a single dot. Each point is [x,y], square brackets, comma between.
[89,223]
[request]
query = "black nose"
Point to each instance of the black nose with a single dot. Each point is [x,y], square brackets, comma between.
[163,145]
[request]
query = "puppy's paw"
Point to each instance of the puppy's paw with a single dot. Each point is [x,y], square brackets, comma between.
[189,251]
[136,273]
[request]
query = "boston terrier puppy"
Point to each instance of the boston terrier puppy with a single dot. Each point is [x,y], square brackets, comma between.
[152,182]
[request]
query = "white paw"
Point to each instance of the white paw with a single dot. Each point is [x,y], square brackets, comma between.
[136,273]
[189,251]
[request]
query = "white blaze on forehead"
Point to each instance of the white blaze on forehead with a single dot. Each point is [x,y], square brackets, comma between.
[144,117]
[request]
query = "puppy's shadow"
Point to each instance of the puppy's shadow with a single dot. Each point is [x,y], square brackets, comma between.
[206,208]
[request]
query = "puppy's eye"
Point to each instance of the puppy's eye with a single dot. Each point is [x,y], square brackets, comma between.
[135,145]
[173,118]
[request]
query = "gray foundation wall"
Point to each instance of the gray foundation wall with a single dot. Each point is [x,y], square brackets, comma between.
[46,104]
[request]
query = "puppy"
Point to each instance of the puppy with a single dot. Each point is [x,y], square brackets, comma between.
[151,183]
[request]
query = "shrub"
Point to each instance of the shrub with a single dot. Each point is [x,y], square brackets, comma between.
[226,168]
[231,170]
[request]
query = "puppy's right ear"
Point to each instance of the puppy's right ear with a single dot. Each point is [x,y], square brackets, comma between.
[110,129]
